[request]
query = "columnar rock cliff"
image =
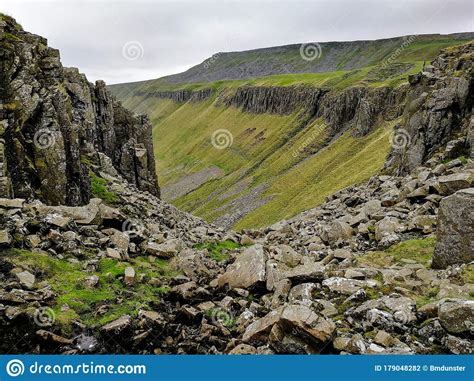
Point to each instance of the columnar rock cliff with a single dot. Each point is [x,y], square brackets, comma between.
[180,95]
[57,129]
[356,107]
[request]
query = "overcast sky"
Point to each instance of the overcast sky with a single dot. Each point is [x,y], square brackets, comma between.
[124,41]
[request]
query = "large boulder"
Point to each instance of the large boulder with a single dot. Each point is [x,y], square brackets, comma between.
[310,272]
[7,203]
[388,226]
[455,230]
[81,215]
[248,270]
[457,316]
[451,183]
[166,249]
[292,329]
[260,329]
[336,230]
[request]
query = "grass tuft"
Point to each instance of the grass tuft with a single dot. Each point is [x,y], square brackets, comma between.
[99,187]
[418,250]
[218,250]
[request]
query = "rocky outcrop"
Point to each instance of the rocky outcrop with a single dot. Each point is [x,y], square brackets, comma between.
[360,108]
[56,127]
[438,109]
[356,108]
[179,96]
[308,285]
[455,230]
[276,100]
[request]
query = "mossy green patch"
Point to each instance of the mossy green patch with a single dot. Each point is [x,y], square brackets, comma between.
[427,296]
[86,161]
[219,251]
[99,187]
[417,250]
[12,37]
[468,274]
[75,301]
[222,316]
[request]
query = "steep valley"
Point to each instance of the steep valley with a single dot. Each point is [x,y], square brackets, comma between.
[293,138]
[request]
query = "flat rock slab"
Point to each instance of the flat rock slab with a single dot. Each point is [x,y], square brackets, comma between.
[15,203]
[118,325]
[82,215]
[292,318]
[167,249]
[26,279]
[457,181]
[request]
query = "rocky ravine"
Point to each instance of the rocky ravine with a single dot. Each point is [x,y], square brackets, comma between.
[129,273]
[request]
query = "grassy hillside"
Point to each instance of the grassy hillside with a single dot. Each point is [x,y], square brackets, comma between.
[276,165]
[331,56]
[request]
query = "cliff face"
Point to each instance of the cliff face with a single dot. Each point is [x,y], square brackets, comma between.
[358,108]
[438,111]
[355,107]
[57,128]
[179,95]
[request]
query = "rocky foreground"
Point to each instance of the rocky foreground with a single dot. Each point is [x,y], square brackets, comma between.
[355,275]
[382,267]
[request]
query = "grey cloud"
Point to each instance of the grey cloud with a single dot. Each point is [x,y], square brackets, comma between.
[178,34]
